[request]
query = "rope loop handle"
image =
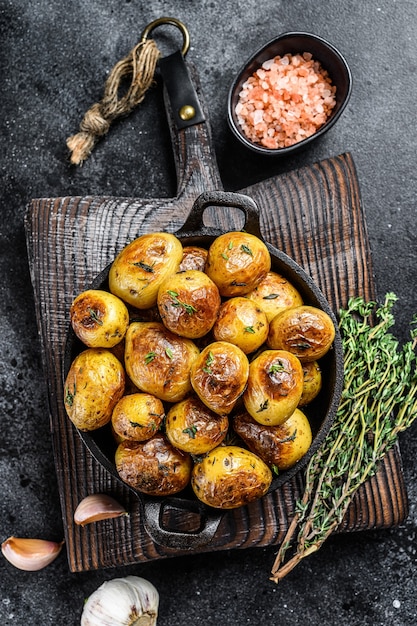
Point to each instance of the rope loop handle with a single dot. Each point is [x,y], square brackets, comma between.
[139,66]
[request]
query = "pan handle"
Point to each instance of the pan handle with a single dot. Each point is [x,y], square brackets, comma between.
[194,224]
[209,520]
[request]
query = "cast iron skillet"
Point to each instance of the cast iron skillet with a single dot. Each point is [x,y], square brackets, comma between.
[321,412]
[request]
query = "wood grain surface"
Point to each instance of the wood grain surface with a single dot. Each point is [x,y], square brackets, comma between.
[313,214]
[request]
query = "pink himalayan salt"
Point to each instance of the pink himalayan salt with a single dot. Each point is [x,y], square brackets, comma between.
[285,101]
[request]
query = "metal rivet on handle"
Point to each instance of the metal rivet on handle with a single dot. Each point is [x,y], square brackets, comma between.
[187,112]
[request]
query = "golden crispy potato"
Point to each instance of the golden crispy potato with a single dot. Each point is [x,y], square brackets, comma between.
[98,318]
[94,384]
[306,331]
[279,446]
[193,258]
[158,362]
[275,385]
[219,376]
[192,427]
[274,294]
[154,466]
[243,323]
[137,416]
[312,382]
[229,477]
[237,262]
[139,269]
[188,303]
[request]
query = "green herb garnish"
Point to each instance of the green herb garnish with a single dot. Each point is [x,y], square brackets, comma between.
[145,267]
[263,406]
[190,431]
[249,329]
[176,302]
[69,397]
[209,362]
[150,357]
[94,316]
[276,367]
[246,249]
[379,401]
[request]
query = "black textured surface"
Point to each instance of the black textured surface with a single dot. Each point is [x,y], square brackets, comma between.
[55,57]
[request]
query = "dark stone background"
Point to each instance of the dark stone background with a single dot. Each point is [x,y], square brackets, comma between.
[55,56]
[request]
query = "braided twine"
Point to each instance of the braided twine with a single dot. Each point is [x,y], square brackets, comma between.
[139,65]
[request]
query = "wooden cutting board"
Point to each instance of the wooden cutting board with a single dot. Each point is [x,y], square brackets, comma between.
[313,214]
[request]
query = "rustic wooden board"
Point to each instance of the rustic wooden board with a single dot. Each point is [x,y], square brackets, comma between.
[313,214]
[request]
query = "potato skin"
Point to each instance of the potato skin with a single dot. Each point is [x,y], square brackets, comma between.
[275,385]
[94,384]
[98,318]
[229,477]
[137,416]
[192,427]
[306,331]
[154,466]
[140,267]
[188,303]
[158,362]
[219,376]
[312,382]
[193,258]
[274,294]
[236,262]
[241,322]
[280,446]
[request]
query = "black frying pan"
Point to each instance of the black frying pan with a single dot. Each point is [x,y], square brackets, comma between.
[321,412]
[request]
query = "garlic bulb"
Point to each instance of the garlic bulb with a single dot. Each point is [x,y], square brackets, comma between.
[130,601]
[97,507]
[30,554]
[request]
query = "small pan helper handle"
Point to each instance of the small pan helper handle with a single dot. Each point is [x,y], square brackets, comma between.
[170,538]
[194,223]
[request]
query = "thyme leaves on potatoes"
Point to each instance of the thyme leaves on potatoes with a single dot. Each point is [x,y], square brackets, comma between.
[379,401]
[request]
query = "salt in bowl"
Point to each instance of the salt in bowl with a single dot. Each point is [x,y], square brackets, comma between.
[330,59]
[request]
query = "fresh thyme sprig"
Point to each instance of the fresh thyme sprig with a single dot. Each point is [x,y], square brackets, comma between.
[176,302]
[379,401]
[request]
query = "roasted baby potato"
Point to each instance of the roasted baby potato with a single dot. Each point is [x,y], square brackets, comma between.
[241,322]
[279,446]
[192,427]
[236,262]
[139,269]
[137,416]
[188,303]
[193,258]
[312,382]
[158,362]
[98,318]
[275,385]
[275,293]
[94,384]
[219,376]
[306,331]
[154,466]
[229,477]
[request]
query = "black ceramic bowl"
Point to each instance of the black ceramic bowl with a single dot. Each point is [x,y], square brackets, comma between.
[320,412]
[293,43]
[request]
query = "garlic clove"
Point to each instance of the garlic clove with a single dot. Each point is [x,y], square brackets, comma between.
[129,601]
[97,507]
[30,555]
